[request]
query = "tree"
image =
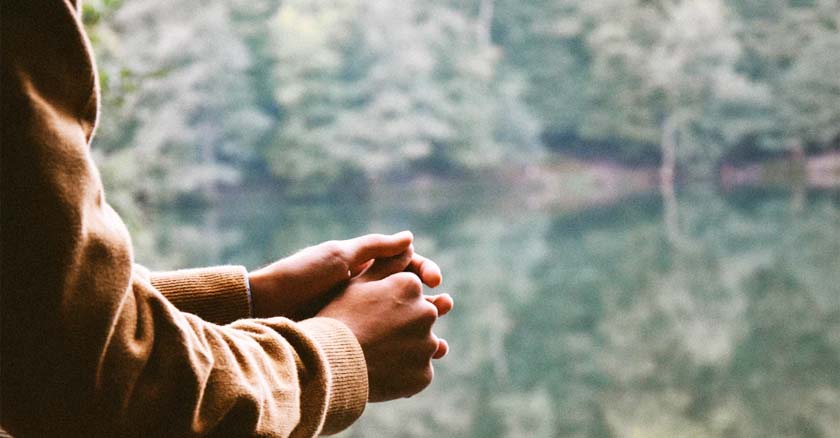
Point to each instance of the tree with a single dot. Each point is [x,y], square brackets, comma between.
[672,79]
[544,41]
[383,87]
[786,44]
[809,90]
[177,108]
[178,116]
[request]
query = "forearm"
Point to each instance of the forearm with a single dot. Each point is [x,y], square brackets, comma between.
[89,346]
[269,377]
[161,372]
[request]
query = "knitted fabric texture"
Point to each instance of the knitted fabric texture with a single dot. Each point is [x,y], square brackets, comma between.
[95,346]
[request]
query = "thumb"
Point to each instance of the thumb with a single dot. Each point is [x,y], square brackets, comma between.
[358,251]
[384,267]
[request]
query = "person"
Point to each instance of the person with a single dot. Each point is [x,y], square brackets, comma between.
[94,345]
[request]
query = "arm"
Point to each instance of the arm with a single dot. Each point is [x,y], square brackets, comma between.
[295,287]
[89,346]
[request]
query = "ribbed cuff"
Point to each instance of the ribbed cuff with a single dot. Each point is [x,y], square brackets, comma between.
[219,294]
[348,392]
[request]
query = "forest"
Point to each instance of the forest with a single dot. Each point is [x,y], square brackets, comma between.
[326,96]
[525,143]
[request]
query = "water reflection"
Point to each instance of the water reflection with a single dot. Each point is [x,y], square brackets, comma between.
[597,323]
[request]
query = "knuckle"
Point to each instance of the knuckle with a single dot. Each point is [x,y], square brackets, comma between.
[429,347]
[409,283]
[417,376]
[334,252]
[406,256]
[426,377]
[332,248]
[428,313]
[421,379]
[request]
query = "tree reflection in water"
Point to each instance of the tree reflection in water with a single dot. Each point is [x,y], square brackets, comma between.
[594,323]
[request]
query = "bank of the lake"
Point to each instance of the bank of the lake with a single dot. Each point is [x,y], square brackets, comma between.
[567,183]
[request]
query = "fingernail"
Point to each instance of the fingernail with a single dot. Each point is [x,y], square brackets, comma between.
[405,233]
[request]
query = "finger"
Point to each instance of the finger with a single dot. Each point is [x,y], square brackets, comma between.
[443,302]
[427,270]
[409,287]
[375,246]
[443,348]
[384,267]
[358,269]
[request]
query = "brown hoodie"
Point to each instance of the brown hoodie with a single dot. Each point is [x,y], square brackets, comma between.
[95,346]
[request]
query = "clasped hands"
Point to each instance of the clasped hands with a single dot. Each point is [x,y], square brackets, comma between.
[374,285]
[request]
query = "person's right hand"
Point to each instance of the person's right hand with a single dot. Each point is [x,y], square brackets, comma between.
[393,320]
[298,286]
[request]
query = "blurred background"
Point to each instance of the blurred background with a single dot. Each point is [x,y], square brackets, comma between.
[635,203]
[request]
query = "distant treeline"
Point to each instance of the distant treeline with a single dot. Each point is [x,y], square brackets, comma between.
[322,94]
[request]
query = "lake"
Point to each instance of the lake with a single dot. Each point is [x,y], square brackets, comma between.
[717,315]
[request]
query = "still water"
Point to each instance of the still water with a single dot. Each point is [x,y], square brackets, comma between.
[606,321]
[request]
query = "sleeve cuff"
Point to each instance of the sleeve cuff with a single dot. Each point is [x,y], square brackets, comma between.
[219,294]
[348,391]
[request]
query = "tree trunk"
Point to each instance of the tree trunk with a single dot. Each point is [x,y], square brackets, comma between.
[798,172]
[484,21]
[667,168]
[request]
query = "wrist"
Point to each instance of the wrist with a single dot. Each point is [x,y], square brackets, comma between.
[250,295]
[271,292]
[259,283]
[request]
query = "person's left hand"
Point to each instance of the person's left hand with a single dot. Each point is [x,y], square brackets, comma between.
[299,285]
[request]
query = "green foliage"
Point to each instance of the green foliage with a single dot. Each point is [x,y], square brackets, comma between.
[387,87]
[194,140]
[810,89]
[177,104]
[543,40]
[320,95]
[591,323]
[787,47]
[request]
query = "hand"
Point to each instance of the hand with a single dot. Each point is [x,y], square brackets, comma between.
[393,321]
[299,285]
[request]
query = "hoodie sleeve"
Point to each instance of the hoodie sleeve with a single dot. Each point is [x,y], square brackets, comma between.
[90,346]
[219,294]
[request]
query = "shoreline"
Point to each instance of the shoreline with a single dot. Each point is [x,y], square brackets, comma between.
[816,171]
[565,183]
[568,182]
